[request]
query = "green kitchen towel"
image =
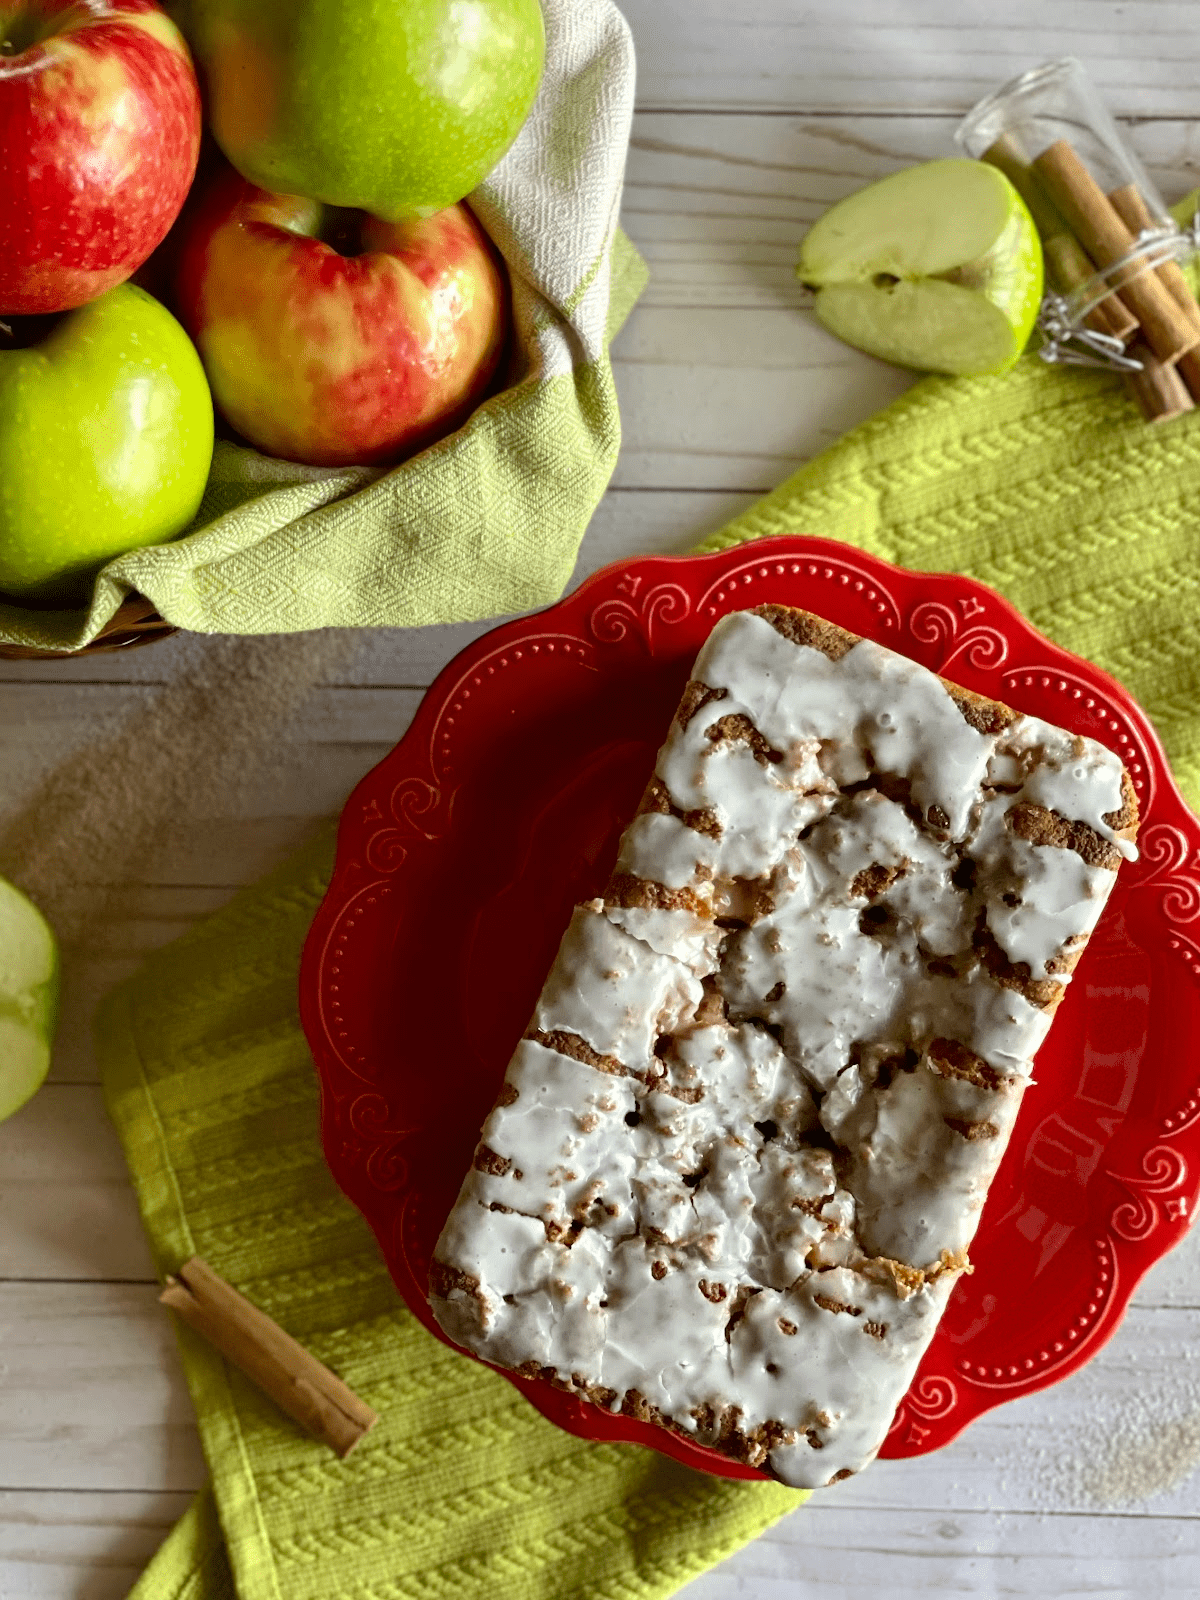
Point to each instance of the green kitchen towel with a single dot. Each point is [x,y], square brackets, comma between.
[488,521]
[462,1489]
[1046,484]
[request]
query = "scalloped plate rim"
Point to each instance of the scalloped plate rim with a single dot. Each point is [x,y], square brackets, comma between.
[417,737]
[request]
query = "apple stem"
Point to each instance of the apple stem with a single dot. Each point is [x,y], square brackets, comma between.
[23,32]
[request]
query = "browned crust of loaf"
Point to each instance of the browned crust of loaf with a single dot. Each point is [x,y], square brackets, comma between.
[721,1429]
[445,1280]
[909,1279]
[634,1404]
[1040,826]
[737,728]
[712,1007]
[802,627]
[752,1446]
[486,1160]
[628,892]
[1045,993]
[570,1044]
[972,1132]
[984,715]
[742,1297]
[951,1059]
[828,1303]
[657,798]
[1124,821]
[1066,959]
[695,697]
[687,1094]
[874,880]
[718,1428]
[744,900]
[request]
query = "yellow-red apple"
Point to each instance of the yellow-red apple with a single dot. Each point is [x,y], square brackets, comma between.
[332,337]
[99,136]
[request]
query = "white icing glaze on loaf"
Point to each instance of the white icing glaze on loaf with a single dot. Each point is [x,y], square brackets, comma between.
[665,850]
[770,1078]
[871,700]
[614,991]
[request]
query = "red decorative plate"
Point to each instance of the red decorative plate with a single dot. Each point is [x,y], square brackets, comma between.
[460,856]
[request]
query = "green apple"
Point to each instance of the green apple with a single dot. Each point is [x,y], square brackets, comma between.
[394,107]
[28,998]
[106,437]
[938,267]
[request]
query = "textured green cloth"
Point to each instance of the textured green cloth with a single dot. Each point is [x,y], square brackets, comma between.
[488,521]
[462,1489]
[1047,484]
[1044,483]
[485,523]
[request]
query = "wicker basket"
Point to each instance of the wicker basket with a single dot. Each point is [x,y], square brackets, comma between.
[135,622]
[277,547]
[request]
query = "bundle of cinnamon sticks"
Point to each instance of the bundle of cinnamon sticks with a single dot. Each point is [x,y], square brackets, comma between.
[297,1382]
[1151,309]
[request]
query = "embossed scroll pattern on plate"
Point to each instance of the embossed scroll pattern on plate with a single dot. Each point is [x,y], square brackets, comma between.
[1103,1171]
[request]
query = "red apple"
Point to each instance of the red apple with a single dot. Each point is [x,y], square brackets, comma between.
[99,137]
[332,337]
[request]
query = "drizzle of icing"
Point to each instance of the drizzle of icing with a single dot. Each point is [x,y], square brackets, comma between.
[663,849]
[732,1185]
[614,991]
[918,1177]
[1076,777]
[872,700]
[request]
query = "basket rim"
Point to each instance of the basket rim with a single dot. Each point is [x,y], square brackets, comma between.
[135,622]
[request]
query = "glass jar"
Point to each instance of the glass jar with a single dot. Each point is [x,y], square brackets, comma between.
[1115,294]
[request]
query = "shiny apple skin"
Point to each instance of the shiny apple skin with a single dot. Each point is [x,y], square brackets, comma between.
[99,138]
[334,360]
[394,107]
[106,438]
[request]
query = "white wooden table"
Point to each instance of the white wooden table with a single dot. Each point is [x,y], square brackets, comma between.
[753,117]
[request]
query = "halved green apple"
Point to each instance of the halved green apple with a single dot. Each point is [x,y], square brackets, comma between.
[938,267]
[28,998]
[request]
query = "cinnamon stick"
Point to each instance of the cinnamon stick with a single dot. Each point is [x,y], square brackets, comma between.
[1130,205]
[1094,221]
[1188,367]
[1067,267]
[1067,263]
[297,1382]
[1159,388]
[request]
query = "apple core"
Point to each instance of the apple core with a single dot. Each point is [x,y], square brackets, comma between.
[937,267]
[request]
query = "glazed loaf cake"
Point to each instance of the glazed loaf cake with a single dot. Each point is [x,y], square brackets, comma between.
[736,1163]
